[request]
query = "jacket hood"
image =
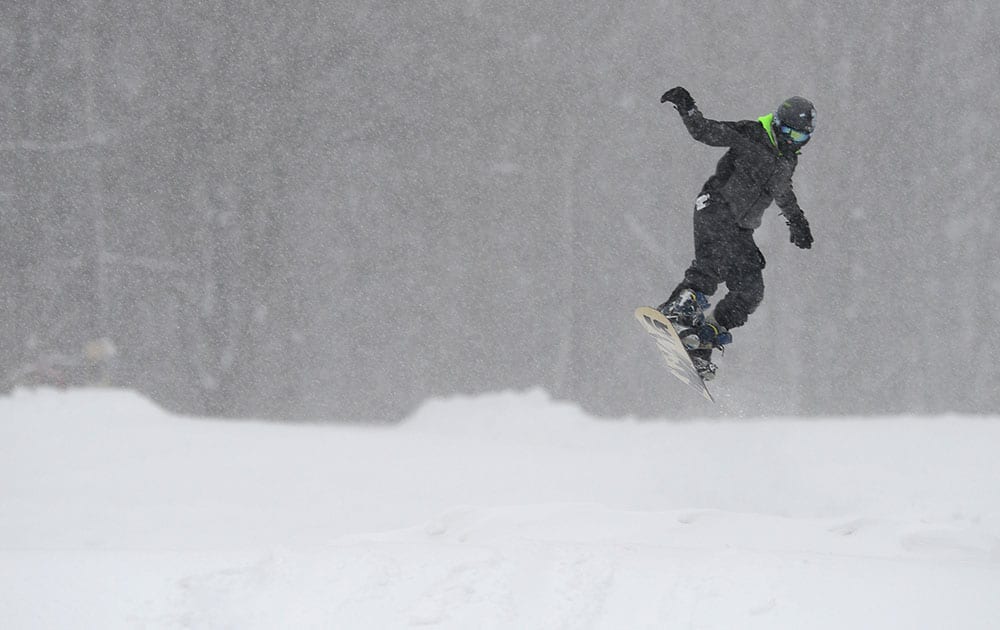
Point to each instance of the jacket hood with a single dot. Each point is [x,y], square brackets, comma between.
[778,140]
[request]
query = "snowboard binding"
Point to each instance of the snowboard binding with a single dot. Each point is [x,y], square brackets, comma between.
[700,358]
[686,309]
[687,312]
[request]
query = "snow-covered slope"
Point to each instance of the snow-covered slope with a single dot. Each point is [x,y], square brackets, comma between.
[502,511]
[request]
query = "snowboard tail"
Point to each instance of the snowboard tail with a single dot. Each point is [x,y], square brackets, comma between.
[672,349]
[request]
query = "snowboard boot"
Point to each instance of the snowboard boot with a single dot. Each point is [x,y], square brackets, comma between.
[701,359]
[700,342]
[686,309]
[710,334]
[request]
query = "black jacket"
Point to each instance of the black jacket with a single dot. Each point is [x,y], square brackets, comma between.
[753,173]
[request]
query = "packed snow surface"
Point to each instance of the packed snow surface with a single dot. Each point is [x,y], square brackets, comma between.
[501,511]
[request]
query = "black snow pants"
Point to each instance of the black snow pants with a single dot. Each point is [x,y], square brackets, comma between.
[725,252]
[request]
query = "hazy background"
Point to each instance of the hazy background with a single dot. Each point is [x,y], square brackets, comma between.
[338,209]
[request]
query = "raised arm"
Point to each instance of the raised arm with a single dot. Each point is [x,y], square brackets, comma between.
[711,132]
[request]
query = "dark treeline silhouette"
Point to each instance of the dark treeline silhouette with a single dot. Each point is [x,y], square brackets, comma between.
[337,210]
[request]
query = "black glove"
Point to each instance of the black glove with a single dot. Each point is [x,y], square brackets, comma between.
[801,236]
[679,97]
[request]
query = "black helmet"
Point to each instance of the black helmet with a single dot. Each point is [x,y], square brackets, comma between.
[795,121]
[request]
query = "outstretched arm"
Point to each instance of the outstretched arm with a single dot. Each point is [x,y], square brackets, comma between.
[711,132]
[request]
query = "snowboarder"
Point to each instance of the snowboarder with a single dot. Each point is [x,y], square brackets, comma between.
[756,170]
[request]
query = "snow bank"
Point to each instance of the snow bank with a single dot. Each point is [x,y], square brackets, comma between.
[503,511]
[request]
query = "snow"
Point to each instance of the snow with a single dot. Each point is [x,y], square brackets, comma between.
[509,510]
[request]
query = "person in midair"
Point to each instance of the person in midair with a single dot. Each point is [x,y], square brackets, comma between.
[756,170]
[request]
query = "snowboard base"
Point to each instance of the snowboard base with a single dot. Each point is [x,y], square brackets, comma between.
[672,349]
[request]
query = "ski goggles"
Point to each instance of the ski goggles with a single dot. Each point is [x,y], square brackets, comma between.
[795,134]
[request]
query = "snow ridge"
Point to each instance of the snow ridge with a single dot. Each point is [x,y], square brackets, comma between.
[508,510]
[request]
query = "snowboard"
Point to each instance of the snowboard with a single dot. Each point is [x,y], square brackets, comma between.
[671,348]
